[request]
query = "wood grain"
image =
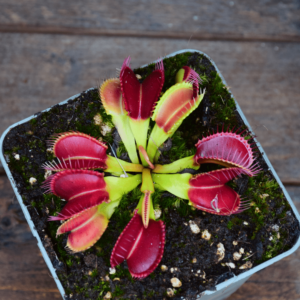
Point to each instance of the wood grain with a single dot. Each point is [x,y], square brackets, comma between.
[222,20]
[38,71]
[24,274]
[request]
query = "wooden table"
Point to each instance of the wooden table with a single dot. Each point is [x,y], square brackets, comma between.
[51,50]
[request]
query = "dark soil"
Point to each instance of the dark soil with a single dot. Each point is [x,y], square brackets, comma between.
[188,256]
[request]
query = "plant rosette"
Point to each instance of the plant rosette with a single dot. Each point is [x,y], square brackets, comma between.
[151,186]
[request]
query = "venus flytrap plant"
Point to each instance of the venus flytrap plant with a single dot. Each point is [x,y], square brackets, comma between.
[87,227]
[140,99]
[173,107]
[145,206]
[177,166]
[142,241]
[91,200]
[75,150]
[206,191]
[92,197]
[227,149]
[111,97]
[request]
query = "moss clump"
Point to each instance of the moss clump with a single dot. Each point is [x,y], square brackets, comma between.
[179,147]
[261,189]
[121,149]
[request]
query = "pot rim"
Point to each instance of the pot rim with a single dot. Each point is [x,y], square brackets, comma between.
[220,286]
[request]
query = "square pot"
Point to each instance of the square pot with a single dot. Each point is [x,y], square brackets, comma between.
[224,289]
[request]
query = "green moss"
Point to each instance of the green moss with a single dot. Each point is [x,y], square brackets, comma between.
[94,273]
[204,79]
[121,149]
[69,262]
[15,149]
[148,294]
[274,248]
[33,121]
[235,221]
[118,291]
[179,147]
[224,104]
[229,224]
[260,190]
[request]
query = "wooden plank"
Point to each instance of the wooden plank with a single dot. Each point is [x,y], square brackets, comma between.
[262,286]
[24,274]
[222,20]
[294,192]
[38,71]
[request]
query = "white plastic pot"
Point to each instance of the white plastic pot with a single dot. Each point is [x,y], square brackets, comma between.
[224,289]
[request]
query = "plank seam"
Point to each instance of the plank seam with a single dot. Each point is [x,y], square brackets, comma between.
[19,28]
